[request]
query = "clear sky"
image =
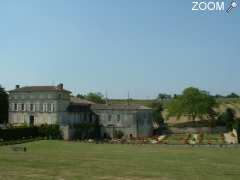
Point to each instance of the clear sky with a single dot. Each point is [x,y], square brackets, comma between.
[142,46]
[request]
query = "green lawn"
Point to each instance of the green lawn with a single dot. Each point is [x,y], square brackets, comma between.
[68,160]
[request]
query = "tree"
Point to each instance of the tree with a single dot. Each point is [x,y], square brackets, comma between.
[228,118]
[163,96]
[157,111]
[193,103]
[80,96]
[95,97]
[232,95]
[219,96]
[3,105]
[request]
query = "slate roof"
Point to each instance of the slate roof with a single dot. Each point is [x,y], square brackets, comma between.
[39,89]
[118,107]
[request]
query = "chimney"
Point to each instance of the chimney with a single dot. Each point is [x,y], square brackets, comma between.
[17,86]
[60,86]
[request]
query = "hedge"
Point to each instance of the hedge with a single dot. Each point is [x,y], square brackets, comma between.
[19,133]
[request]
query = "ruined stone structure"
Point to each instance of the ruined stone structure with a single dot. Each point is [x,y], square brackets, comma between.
[36,105]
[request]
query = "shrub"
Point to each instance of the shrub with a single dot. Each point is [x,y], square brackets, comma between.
[19,133]
[228,118]
[118,134]
[49,131]
[87,131]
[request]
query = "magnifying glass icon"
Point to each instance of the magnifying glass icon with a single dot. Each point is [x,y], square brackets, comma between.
[232,6]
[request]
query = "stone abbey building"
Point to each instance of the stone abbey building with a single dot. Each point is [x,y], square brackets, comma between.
[37,105]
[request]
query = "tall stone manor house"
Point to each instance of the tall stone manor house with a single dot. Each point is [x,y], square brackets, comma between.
[37,105]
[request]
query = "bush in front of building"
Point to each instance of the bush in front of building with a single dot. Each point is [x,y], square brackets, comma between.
[24,132]
[87,131]
[49,131]
[18,133]
[118,134]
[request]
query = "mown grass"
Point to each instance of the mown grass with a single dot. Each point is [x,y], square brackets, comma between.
[71,160]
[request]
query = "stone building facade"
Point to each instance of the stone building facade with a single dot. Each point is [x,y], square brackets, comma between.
[37,105]
[131,120]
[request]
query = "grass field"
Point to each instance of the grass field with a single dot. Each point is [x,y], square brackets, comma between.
[68,160]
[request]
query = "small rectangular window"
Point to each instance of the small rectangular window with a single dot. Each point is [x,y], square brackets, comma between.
[41,107]
[31,107]
[53,108]
[15,107]
[22,107]
[44,107]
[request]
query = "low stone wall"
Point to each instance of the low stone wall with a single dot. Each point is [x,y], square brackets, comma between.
[192,130]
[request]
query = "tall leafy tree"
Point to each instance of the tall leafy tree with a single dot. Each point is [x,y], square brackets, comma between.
[233,95]
[3,105]
[163,96]
[193,103]
[80,96]
[157,111]
[95,97]
[229,118]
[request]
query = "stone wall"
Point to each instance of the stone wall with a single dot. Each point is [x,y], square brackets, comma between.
[120,120]
[135,123]
[197,130]
[20,118]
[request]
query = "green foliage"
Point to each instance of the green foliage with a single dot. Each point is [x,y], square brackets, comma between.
[18,133]
[118,134]
[49,131]
[193,103]
[87,131]
[3,106]
[157,111]
[163,97]
[232,95]
[80,96]
[228,118]
[95,97]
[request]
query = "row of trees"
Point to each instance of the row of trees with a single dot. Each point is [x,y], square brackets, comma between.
[231,96]
[165,97]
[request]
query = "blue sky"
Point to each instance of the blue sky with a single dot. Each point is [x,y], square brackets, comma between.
[142,46]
